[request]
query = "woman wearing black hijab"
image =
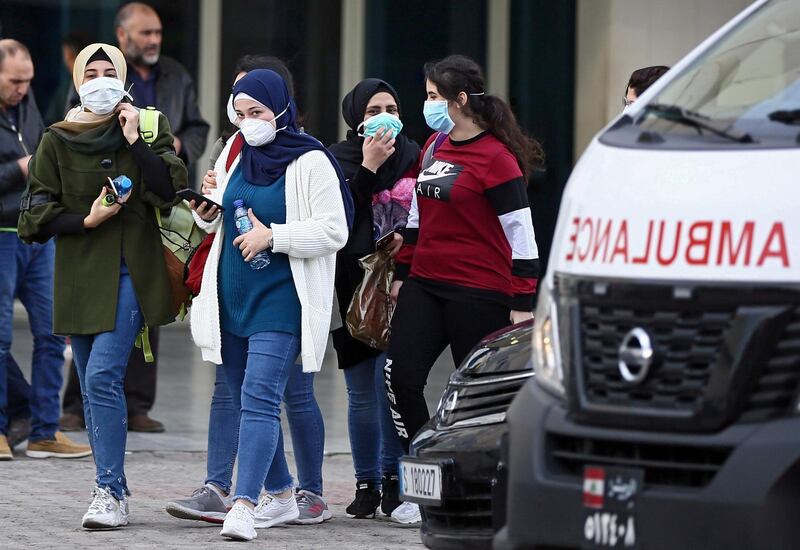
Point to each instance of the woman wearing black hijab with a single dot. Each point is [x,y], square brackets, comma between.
[379,163]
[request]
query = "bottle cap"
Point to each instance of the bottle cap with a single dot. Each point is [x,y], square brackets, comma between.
[124,182]
[238,203]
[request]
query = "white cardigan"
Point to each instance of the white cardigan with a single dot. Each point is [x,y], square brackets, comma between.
[315,229]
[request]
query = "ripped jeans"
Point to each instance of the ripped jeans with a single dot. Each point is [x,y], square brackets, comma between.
[101,361]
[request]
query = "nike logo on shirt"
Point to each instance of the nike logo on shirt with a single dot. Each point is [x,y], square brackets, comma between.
[437,180]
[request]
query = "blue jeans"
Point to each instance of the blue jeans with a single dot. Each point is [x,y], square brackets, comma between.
[101,361]
[258,369]
[305,423]
[374,442]
[27,272]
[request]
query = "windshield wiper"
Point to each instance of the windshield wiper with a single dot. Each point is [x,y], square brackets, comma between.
[683,116]
[785,117]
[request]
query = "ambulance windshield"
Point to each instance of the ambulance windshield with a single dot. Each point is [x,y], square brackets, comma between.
[744,91]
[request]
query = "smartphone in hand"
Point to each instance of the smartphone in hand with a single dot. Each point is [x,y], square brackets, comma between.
[384,240]
[192,195]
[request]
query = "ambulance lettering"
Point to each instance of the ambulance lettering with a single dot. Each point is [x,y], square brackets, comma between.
[664,243]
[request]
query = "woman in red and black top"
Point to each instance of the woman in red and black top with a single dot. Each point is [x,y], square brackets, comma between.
[469,265]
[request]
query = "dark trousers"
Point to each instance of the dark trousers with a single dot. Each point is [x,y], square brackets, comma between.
[19,391]
[423,325]
[140,383]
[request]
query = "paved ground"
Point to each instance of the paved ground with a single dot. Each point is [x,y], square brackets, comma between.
[43,501]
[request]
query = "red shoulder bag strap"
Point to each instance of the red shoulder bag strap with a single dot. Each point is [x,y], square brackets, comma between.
[236,148]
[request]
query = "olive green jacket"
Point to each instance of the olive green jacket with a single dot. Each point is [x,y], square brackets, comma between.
[87,266]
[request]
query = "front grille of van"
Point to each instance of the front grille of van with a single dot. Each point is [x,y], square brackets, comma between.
[688,344]
[663,464]
[722,353]
[776,389]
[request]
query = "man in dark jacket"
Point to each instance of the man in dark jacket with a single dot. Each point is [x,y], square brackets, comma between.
[161,82]
[26,271]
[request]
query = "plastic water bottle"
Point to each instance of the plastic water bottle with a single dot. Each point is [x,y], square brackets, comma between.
[243,225]
[122,185]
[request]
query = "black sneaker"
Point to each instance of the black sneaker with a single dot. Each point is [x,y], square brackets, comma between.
[367,500]
[390,494]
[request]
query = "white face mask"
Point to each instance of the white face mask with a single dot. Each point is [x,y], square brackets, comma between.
[626,110]
[101,95]
[232,116]
[258,132]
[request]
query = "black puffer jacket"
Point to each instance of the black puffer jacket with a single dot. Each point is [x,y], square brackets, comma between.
[16,141]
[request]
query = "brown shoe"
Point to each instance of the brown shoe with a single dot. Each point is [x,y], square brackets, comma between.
[71,422]
[5,450]
[60,447]
[143,423]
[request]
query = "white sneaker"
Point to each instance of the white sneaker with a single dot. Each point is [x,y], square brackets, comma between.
[407,513]
[105,511]
[238,523]
[273,511]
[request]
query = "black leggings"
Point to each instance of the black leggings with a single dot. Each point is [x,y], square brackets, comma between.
[423,324]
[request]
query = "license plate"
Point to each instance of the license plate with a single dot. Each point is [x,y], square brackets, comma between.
[609,504]
[421,482]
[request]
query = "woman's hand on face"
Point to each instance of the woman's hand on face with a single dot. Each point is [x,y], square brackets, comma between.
[395,290]
[206,212]
[209,182]
[255,240]
[129,120]
[519,316]
[99,211]
[377,149]
[394,247]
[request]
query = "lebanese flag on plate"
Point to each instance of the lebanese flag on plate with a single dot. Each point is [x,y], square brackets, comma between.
[594,483]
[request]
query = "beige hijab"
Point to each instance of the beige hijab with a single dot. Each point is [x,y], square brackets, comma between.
[78,118]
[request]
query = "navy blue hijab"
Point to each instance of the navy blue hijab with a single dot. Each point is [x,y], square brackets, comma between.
[265,164]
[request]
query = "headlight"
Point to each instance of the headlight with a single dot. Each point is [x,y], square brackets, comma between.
[546,353]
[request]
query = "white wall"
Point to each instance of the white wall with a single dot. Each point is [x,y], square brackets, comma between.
[616,37]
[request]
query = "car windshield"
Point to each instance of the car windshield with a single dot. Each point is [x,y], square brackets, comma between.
[745,90]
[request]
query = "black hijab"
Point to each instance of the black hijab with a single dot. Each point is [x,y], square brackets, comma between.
[348,152]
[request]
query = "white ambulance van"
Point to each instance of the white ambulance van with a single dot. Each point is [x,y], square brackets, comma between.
[665,409]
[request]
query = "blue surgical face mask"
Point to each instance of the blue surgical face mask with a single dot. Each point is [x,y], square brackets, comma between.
[387,121]
[437,116]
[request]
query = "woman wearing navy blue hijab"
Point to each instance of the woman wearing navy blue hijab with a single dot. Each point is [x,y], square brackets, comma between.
[256,319]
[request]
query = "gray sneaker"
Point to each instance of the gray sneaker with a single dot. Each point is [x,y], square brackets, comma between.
[313,509]
[206,504]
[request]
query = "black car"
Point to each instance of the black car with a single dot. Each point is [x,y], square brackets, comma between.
[454,469]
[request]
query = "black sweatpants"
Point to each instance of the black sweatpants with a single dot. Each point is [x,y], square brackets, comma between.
[140,383]
[423,324]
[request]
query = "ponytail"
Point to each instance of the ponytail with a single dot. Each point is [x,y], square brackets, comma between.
[496,116]
[458,73]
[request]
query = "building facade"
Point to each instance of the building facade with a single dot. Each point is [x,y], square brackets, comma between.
[562,64]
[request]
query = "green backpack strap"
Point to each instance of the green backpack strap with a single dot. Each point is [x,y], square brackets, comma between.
[143,343]
[148,129]
[148,124]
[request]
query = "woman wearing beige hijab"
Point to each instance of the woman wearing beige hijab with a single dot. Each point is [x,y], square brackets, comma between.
[110,276]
